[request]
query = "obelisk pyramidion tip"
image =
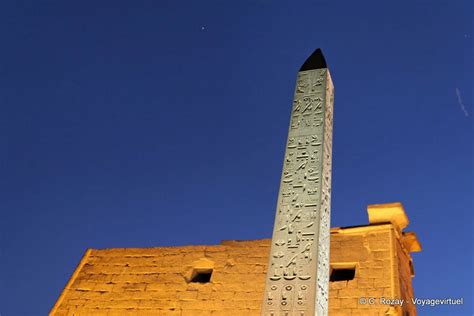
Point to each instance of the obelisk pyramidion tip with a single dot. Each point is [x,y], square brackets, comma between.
[315,61]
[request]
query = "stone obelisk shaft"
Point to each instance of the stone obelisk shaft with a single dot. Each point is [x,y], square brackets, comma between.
[298,272]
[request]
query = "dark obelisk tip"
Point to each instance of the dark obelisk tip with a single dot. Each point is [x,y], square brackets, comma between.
[315,61]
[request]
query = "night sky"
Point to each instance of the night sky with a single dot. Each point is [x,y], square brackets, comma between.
[158,123]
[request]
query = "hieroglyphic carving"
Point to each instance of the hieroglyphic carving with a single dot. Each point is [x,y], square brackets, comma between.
[322,294]
[298,264]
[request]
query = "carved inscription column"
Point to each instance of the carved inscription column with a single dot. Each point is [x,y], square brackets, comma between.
[298,271]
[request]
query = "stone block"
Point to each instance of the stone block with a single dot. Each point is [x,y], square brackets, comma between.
[349,302]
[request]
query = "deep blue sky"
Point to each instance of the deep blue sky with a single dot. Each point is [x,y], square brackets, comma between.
[153,123]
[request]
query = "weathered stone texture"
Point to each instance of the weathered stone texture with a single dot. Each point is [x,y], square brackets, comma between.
[156,281]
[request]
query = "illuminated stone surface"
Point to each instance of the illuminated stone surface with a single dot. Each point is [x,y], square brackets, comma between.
[298,274]
[156,281]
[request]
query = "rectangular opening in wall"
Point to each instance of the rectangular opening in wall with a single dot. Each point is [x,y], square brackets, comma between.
[201,275]
[342,272]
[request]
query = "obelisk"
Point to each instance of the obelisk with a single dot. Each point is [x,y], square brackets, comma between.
[298,271]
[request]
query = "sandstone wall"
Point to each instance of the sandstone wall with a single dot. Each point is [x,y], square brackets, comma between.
[405,274]
[157,281]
